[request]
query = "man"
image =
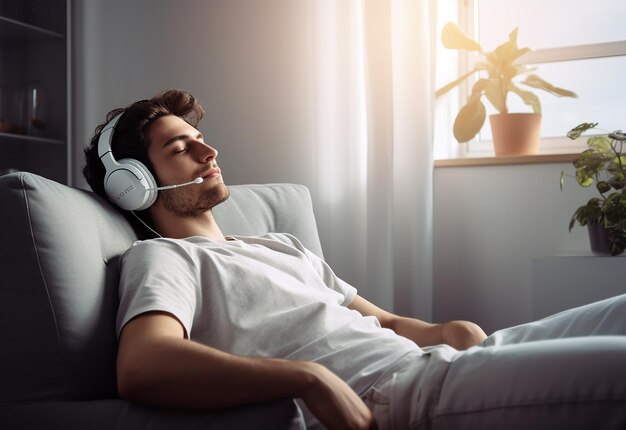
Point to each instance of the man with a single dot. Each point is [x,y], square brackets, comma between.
[208,321]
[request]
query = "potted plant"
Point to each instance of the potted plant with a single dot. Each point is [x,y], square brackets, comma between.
[603,163]
[496,73]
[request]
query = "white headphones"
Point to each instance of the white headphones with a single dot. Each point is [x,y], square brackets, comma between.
[128,182]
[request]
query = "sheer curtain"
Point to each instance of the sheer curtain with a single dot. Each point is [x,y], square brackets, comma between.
[373,103]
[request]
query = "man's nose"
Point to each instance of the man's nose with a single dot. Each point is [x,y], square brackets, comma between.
[207,152]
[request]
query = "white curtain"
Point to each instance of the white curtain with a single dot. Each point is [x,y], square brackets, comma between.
[373,110]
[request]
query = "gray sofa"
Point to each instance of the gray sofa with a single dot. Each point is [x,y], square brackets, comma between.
[59,269]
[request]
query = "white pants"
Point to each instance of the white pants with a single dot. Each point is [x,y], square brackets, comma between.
[565,371]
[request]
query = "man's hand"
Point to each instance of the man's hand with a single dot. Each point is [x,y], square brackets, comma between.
[194,376]
[334,403]
[462,334]
[457,334]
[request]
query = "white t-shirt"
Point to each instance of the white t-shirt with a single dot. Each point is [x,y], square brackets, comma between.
[262,296]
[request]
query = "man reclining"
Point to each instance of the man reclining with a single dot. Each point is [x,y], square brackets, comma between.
[207,321]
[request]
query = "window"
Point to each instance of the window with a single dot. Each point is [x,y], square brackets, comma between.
[578,45]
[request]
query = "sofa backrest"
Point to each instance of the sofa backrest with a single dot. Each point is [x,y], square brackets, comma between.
[59,270]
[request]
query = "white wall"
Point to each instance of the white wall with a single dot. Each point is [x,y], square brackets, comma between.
[490,223]
[243,60]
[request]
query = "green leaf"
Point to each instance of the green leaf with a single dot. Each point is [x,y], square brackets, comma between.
[469,121]
[618,135]
[572,222]
[614,209]
[481,65]
[529,98]
[453,37]
[494,94]
[453,84]
[617,241]
[562,180]
[588,163]
[536,82]
[522,68]
[614,169]
[583,178]
[603,187]
[601,144]
[618,182]
[617,238]
[519,53]
[513,36]
[508,52]
[591,213]
[621,225]
[575,132]
[478,89]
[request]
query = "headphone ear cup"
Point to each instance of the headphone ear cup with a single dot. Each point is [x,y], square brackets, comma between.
[149,181]
[129,185]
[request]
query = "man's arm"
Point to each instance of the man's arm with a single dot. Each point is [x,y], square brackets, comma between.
[458,334]
[157,365]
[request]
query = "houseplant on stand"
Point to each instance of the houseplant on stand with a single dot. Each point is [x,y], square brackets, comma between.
[603,163]
[497,72]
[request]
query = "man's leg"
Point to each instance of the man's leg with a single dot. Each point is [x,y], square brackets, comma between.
[606,317]
[573,383]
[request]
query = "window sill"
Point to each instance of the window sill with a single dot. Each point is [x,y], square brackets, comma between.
[498,161]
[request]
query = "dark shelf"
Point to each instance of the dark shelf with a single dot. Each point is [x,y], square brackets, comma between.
[26,139]
[34,50]
[16,31]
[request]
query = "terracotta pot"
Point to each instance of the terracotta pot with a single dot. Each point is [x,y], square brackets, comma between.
[598,239]
[515,133]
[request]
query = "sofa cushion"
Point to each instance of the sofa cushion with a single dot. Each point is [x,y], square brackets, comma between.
[59,266]
[256,209]
[59,262]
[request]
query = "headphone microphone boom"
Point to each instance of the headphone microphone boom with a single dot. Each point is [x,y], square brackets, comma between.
[198,180]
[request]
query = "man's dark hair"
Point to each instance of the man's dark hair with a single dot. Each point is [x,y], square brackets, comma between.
[129,138]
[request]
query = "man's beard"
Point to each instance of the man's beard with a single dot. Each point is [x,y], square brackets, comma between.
[182,202]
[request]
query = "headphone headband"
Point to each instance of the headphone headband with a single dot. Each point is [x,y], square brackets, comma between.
[106,136]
